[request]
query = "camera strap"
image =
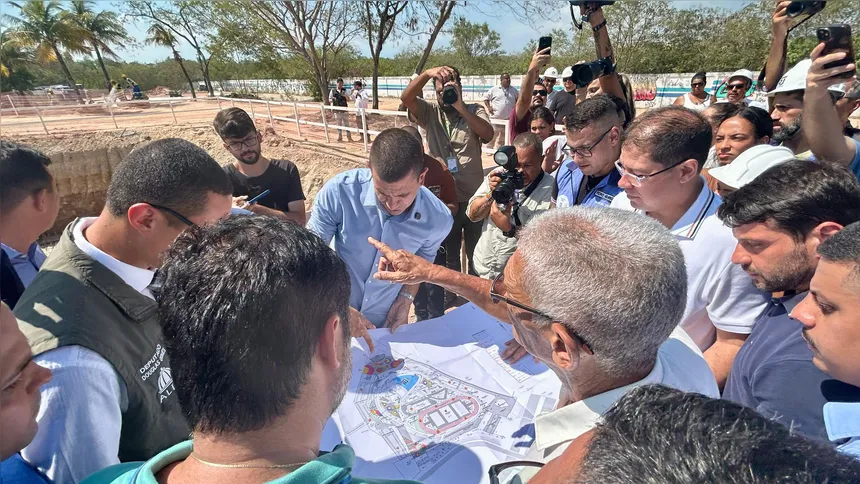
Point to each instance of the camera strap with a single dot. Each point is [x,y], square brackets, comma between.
[528,191]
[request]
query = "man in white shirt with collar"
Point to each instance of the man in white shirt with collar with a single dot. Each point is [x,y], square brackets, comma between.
[499,101]
[602,332]
[662,155]
[89,316]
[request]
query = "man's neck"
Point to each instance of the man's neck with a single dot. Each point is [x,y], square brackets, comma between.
[586,384]
[113,237]
[16,233]
[797,143]
[254,170]
[686,198]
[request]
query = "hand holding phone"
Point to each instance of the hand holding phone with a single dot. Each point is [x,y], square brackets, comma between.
[543,43]
[837,38]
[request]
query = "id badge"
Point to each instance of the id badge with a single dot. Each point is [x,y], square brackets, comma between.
[452,164]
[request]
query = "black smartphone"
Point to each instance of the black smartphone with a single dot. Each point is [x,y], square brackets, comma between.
[545,42]
[837,37]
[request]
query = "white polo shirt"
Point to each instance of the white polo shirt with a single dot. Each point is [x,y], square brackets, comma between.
[679,365]
[719,294]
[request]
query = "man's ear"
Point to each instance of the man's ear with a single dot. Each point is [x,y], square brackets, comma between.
[689,170]
[822,232]
[330,342]
[40,200]
[145,218]
[565,351]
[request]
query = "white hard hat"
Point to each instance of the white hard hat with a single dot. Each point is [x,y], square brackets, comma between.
[552,73]
[745,73]
[795,80]
[567,72]
[750,164]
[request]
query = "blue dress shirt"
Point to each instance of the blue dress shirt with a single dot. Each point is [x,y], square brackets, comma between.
[26,265]
[347,211]
[842,420]
[569,182]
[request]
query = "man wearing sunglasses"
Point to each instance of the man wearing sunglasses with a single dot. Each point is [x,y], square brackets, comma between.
[588,177]
[602,332]
[661,160]
[521,116]
[90,317]
[561,103]
[737,86]
[252,174]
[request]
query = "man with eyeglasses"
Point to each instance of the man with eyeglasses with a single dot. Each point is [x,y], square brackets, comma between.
[90,316]
[521,116]
[602,332]
[588,176]
[502,223]
[662,155]
[737,86]
[252,174]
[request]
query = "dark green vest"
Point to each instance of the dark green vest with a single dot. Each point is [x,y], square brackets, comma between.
[77,301]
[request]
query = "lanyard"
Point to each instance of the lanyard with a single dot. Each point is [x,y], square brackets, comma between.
[528,191]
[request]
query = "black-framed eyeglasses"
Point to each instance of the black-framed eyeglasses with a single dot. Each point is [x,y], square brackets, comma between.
[739,87]
[249,143]
[636,180]
[584,152]
[497,297]
[505,472]
[176,214]
[538,93]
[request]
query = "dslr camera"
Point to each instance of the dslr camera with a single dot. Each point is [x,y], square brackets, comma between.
[449,95]
[583,74]
[512,179]
[799,8]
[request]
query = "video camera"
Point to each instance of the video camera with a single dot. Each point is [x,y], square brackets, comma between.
[512,179]
[583,74]
[799,8]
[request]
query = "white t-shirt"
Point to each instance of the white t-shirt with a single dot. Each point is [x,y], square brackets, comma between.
[502,100]
[719,294]
[361,98]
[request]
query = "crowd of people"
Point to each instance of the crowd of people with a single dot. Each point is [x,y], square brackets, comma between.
[690,274]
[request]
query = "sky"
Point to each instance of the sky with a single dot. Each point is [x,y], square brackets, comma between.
[514,34]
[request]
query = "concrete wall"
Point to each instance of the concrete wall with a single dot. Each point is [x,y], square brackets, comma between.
[83,178]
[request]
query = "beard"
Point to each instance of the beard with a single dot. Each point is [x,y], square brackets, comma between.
[793,271]
[788,131]
[252,161]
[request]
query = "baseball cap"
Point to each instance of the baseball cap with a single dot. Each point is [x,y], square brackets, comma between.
[552,73]
[750,164]
[745,73]
[567,72]
[795,79]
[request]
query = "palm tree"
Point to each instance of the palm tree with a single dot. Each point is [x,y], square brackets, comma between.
[12,55]
[158,35]
[46,28]
[103,28]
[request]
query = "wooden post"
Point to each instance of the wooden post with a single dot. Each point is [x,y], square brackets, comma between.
[170,103]
[325,122]
[13,104]
[364,128]
[110,109]
[42,120]
[296,112]
[271,118]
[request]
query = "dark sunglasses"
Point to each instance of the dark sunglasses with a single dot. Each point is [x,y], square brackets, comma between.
[697,84]
[504,472]
[567,79]
[538,93]
[739,87]
[496,297]
[176,214]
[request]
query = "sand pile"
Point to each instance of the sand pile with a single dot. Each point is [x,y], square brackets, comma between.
[159,91]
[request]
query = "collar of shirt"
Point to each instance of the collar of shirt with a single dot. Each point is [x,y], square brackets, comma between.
[842,420]
[371,201]
[569,422]
[30,256]
[135,277]
[706,204]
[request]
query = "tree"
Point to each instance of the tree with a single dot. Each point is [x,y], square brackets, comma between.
[474,43]
[103,28]
[379,19]
[186,19]
[431,13]
[314,31]
[157,34]
[46,28]
[14,75]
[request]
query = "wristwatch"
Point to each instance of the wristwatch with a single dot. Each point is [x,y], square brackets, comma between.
[407,295]
[511,233]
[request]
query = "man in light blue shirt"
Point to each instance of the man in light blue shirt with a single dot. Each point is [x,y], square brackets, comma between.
[830,314]
[388,203]
[29,203]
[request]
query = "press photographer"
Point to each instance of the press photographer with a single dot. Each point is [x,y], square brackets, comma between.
[509,198]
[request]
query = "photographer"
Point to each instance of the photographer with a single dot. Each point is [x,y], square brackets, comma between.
[362,101]
[509,209]
[455,133]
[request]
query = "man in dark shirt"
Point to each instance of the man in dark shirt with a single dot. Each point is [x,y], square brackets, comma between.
[252,174]
[779,226]
[430,299]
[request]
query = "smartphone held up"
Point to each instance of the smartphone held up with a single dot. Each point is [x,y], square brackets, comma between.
[837,38]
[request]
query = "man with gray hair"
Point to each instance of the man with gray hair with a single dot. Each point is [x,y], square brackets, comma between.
[601,343]
[502,221]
